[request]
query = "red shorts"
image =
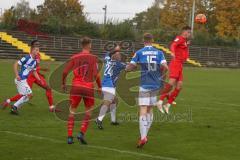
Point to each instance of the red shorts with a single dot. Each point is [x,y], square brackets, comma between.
[82,90]
[176,70]
[32,79]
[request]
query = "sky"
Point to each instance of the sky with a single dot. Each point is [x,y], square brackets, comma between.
[117,10]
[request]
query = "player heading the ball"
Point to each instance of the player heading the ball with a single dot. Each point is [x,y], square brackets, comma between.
[180,53]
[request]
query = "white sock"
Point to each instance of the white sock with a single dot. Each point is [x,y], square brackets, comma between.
[22,100]
[150,120]
[143,123]
[160,102]
[168,105]
[102,112]
[113,108]
[52,106]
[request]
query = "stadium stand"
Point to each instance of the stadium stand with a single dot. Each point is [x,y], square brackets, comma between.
[61,48]
[20,45]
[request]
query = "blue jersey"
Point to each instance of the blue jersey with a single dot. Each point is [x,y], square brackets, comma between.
[27,64]
[112,70]
[150,60]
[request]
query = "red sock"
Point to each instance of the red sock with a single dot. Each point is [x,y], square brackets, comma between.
[49,97]
[173,95]
[70,125]
[164,93]
[85,123]
[15,98]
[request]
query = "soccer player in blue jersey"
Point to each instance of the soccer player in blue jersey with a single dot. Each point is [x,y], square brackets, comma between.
[27,65]
[153,65]
[112,70]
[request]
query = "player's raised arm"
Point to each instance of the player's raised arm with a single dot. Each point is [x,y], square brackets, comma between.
[133,64]
[130,67]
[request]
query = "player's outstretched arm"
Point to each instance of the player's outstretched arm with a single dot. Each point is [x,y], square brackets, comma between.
[133,64]
[130,67]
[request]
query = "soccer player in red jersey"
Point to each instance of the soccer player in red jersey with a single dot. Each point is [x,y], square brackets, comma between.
[180,53]
[85,72]
[32,79]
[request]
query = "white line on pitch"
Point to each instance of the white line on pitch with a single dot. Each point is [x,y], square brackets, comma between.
[91,146]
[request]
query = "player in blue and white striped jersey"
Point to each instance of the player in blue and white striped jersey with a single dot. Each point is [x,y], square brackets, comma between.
[113,67]
[27,65]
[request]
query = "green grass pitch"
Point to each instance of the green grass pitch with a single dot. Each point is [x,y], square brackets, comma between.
[205,124]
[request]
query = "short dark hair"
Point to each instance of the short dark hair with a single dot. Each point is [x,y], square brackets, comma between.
[35,43]
[86,41]
[186,28]
[147,37]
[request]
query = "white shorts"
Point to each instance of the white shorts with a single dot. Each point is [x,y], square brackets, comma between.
[23,87]
[147,97]
[109,93]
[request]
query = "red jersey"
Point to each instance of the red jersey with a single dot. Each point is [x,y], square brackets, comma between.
[38,58]
[84,66]
[179,48]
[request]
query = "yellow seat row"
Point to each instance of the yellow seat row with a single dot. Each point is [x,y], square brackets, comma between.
[21,45]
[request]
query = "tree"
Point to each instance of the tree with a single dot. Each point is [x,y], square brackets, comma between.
[22,10]
[207,7]
[119,31]
[228,18]
[66,11]
[175,14]
[149,19]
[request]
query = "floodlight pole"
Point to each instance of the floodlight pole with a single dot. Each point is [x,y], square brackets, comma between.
[193,14]
[105,14]
[1,12]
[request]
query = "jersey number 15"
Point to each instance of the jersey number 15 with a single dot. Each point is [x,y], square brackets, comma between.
[152,63]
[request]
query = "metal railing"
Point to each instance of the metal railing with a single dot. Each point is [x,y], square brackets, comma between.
[208,56]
